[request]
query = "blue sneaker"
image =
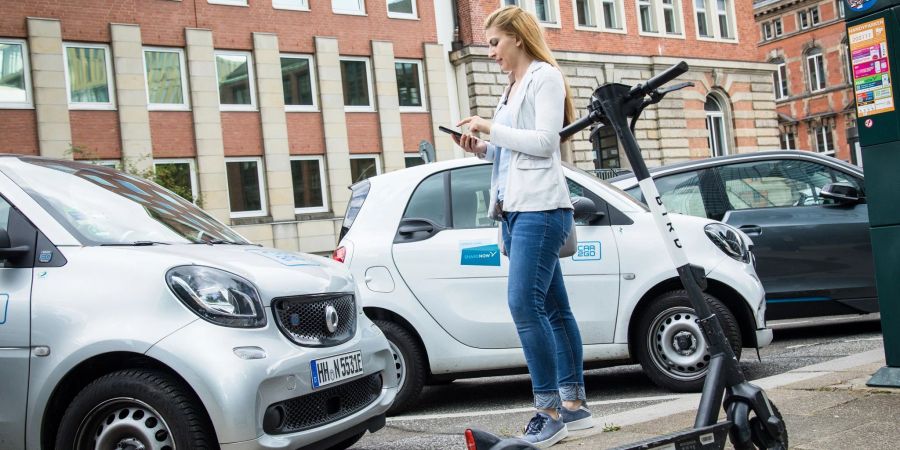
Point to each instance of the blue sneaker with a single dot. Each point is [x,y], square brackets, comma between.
[543,431]
[579,419]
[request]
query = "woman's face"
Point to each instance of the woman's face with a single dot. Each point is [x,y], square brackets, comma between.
[503,49]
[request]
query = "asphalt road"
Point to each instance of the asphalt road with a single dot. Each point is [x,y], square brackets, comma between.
[502,404]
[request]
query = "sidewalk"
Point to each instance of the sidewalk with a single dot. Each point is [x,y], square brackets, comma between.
[825,406]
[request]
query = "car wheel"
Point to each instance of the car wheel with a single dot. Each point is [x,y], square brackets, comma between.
[409,359]
[135,409]
[670,345]
[347,443]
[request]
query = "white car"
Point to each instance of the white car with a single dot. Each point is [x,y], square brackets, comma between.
[424,252]
[129,318]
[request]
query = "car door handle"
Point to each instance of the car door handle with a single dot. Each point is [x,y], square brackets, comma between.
[751,230]
[413,228]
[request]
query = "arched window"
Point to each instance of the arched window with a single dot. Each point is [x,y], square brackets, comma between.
[715,126]
[815,68]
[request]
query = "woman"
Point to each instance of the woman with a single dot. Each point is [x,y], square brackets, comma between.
[530,197]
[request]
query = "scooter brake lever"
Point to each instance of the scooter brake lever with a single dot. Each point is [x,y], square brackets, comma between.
[674,87]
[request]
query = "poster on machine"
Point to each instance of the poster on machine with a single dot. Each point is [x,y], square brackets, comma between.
[871,71]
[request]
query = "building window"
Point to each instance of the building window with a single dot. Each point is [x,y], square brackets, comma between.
[178,176]
[777,27]
[715,127]
[356,7]
[15,81]
[702,18]
[671,17]
[246,191]
[402,9]
[814,15]
[780,79]
[357,82]
[234,71]
[767,31]
[824,139]
[363,167]
[413,160]
[599,14]
[803,19]
[815,66]
[228,2]
[645,14]
[840,8]
[88,76]
[546,11]
[297,5]
[308,177]
[409,85]
[660,16]
[298,82]
[788,140]
[723,12]
[166,78]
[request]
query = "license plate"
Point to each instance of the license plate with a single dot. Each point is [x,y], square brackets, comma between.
[336,368]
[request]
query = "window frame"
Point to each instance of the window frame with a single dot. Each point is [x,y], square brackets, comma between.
[711,12]
[243,3]
[802,19]
[185,92]
[263,201]
[26,68]
[251,77]
[303,5]
[323,184]
[767,31]
[822,82]
[657,16]
[376,156]
[351,12]
[777,27]
[192,167]
[596,6]
[421,71]
[312,79]
[839,9]
[815,16]
[782,88]
[369,80]
[404,16]
[110,83]
[711,118]
[787,138]
[821,137]
[528,5]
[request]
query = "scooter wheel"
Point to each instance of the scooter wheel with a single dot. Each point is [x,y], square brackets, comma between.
[761,436]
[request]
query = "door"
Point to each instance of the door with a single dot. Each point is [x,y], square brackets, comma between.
[808,248]
[446,251]
[15,301]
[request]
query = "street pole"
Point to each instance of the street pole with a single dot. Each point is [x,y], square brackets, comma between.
[873,30]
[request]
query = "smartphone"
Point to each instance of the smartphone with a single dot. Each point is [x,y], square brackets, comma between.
[449,131]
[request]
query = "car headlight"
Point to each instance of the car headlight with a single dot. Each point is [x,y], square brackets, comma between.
[730,241]
[217,296]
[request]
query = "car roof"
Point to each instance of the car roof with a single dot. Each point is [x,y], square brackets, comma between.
[743,157]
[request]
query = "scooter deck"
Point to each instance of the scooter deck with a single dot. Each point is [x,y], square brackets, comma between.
[712,437]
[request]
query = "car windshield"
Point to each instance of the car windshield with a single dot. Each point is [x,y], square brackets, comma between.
[624,195]
[102,206]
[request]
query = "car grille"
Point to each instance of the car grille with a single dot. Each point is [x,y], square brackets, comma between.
[303,318]
[322,407]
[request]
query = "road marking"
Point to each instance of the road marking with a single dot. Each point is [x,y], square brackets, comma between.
[531,408]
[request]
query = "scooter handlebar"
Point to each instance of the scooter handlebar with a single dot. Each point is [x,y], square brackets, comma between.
[576,126]
[668,75]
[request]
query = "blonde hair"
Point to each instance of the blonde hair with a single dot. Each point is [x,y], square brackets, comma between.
[517,22]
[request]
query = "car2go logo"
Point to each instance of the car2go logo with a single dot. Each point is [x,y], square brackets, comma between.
[587,251]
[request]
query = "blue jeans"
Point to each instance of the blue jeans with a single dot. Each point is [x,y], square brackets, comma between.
[540,305]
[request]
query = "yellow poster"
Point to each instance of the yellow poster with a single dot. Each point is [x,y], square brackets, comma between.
[871,71]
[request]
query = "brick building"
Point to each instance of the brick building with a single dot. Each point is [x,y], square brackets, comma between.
[731,108]
[807,41]
[263,110]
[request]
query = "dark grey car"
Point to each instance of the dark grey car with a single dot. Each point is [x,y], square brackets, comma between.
[805,212]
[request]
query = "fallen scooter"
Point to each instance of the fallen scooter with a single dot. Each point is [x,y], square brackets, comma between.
[752,421]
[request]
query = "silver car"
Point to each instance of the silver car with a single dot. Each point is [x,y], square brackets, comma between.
[129,318]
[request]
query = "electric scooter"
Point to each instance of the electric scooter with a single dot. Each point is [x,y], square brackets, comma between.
[752,421]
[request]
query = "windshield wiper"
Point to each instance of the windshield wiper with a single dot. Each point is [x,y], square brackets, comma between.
[134,244]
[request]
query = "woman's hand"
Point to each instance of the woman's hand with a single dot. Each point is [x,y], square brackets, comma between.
[476,124]
[470,143]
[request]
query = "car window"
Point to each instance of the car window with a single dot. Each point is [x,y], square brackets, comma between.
[4,213]
[681,193]
[470,189]
[767,184]
[428,201]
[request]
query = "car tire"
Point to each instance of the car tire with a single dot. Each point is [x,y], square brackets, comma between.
[670,345]
[135,406]
[409,359]
[347,443]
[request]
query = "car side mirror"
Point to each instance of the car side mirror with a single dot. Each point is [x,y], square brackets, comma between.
[841,192]
[586,211]
[7,252]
